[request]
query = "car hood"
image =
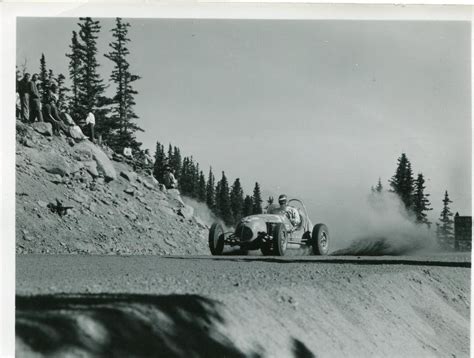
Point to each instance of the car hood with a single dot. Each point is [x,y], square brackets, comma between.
[273,218]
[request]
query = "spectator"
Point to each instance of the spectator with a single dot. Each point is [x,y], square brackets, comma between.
[148,158]
[23,91]
[34,100]
[169,179]
[90,120]
[50,112]
[127,152]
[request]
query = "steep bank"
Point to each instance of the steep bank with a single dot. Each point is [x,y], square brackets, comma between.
[114,210]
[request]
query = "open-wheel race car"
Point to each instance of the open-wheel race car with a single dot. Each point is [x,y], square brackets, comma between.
[272,232]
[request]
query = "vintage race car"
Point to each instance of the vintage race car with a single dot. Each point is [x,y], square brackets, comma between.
[272,232]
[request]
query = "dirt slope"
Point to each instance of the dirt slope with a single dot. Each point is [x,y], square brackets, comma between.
[241,307]
[114,210]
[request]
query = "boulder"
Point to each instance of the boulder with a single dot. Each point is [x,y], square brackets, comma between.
[55,164]
[130,176]
[129,190]
[162,188]
[91,167]
[43,128]
[104,165]
[186,212]
[147,185]
[76,133]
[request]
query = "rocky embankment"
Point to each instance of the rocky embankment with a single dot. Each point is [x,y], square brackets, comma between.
[111,208]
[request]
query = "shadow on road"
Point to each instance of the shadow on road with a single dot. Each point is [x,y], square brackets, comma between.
[123,325]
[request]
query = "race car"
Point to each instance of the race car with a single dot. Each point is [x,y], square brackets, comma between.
[272,233]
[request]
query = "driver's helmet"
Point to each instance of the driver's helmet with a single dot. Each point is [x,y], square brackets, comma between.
[282,199]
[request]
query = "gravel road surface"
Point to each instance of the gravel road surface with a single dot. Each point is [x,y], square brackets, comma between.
[244,306]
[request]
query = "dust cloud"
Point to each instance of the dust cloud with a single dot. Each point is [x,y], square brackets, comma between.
[382,226]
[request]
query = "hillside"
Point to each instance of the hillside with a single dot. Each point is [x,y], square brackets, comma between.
[114,210]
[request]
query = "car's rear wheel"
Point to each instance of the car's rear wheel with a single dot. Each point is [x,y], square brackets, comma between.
[216,239]
[280,240]
[320,239]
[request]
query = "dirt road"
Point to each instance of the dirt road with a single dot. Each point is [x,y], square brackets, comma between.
[243,306]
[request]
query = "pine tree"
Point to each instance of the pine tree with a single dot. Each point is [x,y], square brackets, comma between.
[43,77]
[75,67]
[90,86]
[402,181]
[158,167]
[446,221]
[175,161]
[123,115]
[210,190]
[379,187]
[237,199]
[257,200]
[62,91]
[248,206]
[421,204]
[202,188]
[224,210]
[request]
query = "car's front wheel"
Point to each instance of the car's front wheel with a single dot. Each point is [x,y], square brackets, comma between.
[280,240]
[216,239]
[320,239]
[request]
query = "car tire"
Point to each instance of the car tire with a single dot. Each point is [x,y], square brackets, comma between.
[320,239]
[216,239]
[280,240]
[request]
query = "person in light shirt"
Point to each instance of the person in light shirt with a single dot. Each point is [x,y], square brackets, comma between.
[90,120]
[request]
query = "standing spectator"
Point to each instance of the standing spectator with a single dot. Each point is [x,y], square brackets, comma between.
[90,120]
[35,103]
[169,179]
[23,91]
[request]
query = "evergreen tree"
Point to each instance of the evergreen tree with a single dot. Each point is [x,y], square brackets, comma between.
[158,167]
[224,210]
[90,86]
[421,204]
[379,187]
[75,66]
[402,181]
[62,90]
[43,77]
[446,221]
[202,188]
[257,200]
[248,206]
[123,115]
[175,161]
[237,199]
[210,190]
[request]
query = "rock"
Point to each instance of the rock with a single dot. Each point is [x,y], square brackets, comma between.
[28,143]
[153,180]
[42,204]
[104,165]
[130,176]
[55,164]
[99,180]
[91,167]
[148,208]
[147,185]
[57,179]
[43,128]
[93,207]
[162,188]
[71,142]
[129,190]
[186,212]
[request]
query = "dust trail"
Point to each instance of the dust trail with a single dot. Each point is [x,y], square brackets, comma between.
[203,213]
[384,227]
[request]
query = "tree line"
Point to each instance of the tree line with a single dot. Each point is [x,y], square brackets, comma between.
[227,202]
[416,201]
[115,116]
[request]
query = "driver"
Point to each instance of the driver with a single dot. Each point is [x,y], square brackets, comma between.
[291,212]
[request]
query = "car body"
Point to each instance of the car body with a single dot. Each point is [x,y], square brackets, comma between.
[272,232]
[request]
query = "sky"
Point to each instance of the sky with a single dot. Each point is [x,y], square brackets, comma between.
[316,109]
